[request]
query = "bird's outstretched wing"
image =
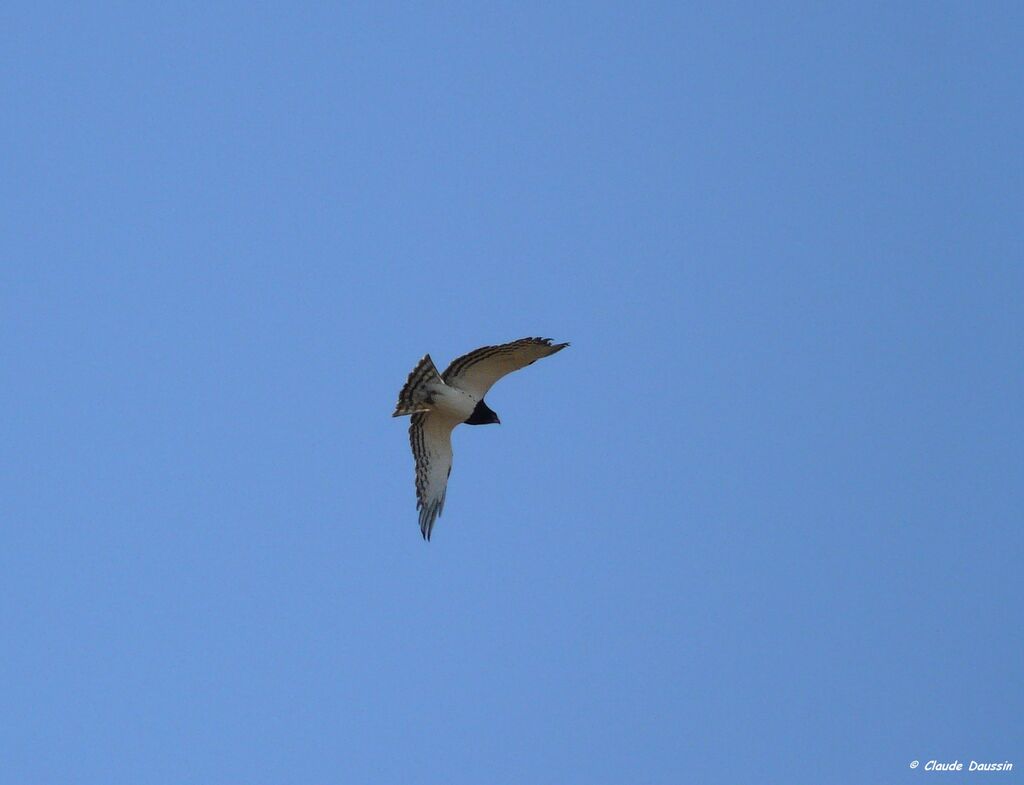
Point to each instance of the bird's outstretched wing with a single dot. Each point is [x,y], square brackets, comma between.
[477,371]
[430,435]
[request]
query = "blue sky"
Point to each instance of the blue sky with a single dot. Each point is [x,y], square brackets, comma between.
[761,522]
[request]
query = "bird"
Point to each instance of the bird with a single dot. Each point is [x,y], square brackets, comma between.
[437,402]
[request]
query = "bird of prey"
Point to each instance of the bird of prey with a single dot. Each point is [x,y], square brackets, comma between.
[440,401]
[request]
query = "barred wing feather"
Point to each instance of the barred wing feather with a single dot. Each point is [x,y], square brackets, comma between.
[430,435]
[477,371]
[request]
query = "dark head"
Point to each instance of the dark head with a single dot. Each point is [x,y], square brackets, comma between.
[482,415]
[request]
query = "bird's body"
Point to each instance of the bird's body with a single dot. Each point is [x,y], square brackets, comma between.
[439,402]
[453,402]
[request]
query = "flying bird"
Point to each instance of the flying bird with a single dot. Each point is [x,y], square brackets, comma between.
[440,401]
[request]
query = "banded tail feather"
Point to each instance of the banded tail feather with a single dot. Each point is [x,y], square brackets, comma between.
[417,395]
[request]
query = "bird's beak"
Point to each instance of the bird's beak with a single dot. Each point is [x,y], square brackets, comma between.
[497,419]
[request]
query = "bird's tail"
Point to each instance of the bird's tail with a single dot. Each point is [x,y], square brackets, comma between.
[418,393]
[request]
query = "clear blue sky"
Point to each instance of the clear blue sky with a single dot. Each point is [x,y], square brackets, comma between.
[761,522]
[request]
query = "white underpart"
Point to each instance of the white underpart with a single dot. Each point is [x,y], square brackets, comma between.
[452,401]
